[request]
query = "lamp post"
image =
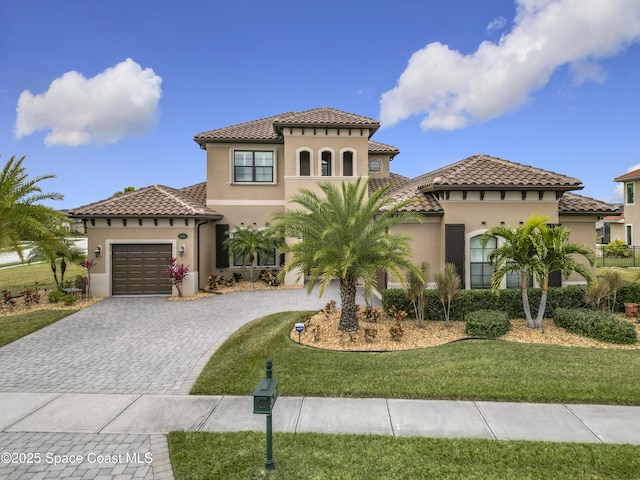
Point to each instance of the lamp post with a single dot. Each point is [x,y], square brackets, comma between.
[264,397]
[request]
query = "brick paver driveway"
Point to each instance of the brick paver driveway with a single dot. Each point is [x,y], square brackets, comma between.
[143,345]
[137,345]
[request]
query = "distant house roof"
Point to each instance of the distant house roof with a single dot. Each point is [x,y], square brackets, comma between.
[154,201]
[634,175]
[269,129]
[574,204]
[492,173]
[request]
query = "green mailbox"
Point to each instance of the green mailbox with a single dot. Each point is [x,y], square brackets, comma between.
[265,395]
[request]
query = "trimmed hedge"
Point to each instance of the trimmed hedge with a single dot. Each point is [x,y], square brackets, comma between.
[487,323]
[596,324]
[508,301]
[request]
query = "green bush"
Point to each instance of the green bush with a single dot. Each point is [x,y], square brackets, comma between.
[629,293]
[617,249]
[55,296]
[487,323]
[508,301]
[596,324]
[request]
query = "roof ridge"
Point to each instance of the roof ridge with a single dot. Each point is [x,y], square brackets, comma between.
[178,199]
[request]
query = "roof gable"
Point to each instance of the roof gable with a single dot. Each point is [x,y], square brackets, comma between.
[492,173]
[633,175]
[152,201]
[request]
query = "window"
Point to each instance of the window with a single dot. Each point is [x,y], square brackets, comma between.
[347,164]
[629,235]
[481,268]
[269,261]
[375,165]
[305,163]
[514,280]
[325,164]
[631,193]
[252,167]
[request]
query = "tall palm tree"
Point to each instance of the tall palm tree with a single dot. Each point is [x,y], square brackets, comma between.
[22,218]
[522,251]
[344,234]
[559,257]
[248,242]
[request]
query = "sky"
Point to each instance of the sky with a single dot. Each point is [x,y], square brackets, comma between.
[109,94]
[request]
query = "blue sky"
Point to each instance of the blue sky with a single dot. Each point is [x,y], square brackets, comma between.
[109,94]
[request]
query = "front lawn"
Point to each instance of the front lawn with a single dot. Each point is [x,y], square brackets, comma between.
[24,277]
[240,455]
[466,370]
[15,326]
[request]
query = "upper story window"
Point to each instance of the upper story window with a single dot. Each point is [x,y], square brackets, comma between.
[325,164]
[375,165]
[347,164]
[250,166]
[631,193]
[305,163]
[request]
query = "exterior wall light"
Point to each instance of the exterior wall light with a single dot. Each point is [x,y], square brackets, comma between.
[98,251]
[183,250]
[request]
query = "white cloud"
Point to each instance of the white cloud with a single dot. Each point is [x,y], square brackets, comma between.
[497,23]
[121,101]
[454,90]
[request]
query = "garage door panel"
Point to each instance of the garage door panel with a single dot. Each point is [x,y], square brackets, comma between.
[140,269]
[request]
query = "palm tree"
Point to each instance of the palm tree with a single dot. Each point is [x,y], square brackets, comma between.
[522,252]
[54,247]
[559,257]
[22,218]
[447,288]
[248,242]
[345,235]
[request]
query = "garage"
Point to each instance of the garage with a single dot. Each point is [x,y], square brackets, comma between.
[140,269]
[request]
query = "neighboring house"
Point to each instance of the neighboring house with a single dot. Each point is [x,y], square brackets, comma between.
[630,182]
[254,169]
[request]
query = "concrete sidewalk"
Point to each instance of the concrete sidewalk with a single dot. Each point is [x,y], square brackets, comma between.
[159,414]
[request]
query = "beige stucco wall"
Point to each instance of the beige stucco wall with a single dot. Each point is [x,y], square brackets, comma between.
[583,231]
[103,235]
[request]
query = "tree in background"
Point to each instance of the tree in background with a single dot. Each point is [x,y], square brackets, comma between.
[22,217]
[344,234]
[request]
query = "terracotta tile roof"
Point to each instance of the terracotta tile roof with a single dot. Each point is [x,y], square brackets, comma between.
[634,175]
[486,172]
[377,147]
[269,129]
[376,183]
[152,201]
[571,203]
[425,202]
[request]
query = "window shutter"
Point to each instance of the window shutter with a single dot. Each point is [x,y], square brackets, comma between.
[222,254]
[555,279]
[454,247]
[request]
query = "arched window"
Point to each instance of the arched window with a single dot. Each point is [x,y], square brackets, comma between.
[305,163]
[481,269]
[347,164]
[325,164]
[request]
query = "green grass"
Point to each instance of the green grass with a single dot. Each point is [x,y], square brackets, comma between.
[18,279]
[467,370]
[17,326]
[628,274]
[240,455]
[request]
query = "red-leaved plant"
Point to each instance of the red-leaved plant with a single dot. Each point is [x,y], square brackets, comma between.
[88,264]
[177,272]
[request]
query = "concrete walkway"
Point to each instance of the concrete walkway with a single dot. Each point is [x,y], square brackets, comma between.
[94,394]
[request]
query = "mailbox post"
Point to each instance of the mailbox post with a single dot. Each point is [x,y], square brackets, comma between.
[264,397]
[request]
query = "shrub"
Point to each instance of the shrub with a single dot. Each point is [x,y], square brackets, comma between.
[617,249]
[487,323]
[596,324]
[55,296]
[396,331]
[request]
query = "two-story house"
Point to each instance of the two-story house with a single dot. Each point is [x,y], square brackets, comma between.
[630,182]
[254,168]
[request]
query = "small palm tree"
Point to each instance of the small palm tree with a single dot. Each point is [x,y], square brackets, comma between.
[344,234]
[248,242]
[522,252]
[558,256]
[448,284]
[416,290]
[22,218]
[55,247]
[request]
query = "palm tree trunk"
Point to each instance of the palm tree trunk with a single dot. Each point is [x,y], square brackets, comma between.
[348,316]
[54,267]
[525,301]
[543,302]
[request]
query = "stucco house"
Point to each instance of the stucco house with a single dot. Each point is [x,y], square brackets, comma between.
[254,168]
[631,216]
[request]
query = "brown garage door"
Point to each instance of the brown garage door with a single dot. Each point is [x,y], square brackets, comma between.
[140,269]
